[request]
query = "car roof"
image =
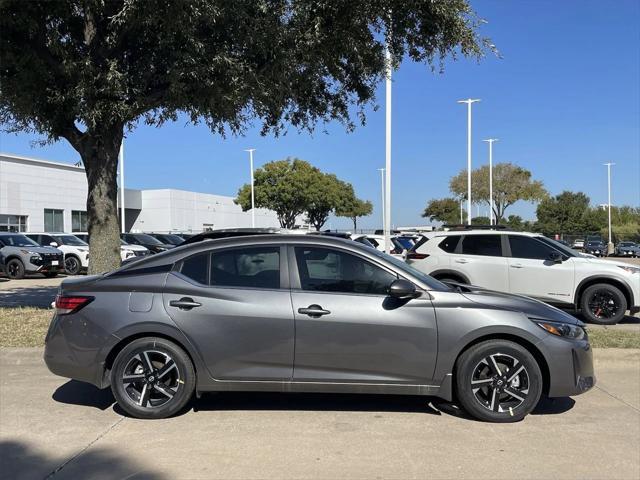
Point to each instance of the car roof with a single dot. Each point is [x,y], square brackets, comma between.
[485,232]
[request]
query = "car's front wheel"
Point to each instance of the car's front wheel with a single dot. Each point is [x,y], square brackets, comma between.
[603,304]
[152,378]
[72,265]
[14,269]
[498,381]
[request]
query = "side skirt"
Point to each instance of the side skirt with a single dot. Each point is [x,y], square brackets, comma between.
[444,390]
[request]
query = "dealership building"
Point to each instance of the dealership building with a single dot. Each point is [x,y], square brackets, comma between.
[39,195]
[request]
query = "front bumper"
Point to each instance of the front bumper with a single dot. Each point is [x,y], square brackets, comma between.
[45,263]
[570,366]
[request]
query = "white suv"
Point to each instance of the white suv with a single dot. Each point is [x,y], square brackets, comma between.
[76,251]
[532,265]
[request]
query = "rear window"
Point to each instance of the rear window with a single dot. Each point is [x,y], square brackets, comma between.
[196,268]
[449,244]
[484,245]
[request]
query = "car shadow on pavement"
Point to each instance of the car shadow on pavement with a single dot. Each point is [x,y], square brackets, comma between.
[553,406]
[84,394]
[20,460]
[40,297]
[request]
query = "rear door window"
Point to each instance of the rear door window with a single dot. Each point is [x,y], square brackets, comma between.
[251,267]
[196,268]
[449,244]
[484,245]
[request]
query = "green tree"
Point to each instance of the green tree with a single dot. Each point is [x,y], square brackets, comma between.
[480,221]
[565,213]
[445,210]
[514,222]
[88,71]
[511,183]
[325,194]
[352,207]
[282,186]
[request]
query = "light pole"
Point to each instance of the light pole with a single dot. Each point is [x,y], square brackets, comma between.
[461,217]
[253,204]
[382,190]
[469,101]
[121,161]
[490,142]
[387,192]
[609,164]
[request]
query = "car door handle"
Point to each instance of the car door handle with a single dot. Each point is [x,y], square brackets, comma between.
[462,260]
[184,303]
[517,265]
[313,311]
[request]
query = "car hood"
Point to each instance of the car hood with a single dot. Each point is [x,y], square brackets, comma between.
[135,248]
[516,303]
[38,249]
[606,262]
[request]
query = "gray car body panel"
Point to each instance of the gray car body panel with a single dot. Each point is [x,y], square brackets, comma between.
[254,339]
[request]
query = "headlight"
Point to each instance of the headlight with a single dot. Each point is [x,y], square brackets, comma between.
[629,268]
[565,330]
[29,252]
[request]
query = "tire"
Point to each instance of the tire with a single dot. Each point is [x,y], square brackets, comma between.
[51,274]
[603,304]
[520,375]
[145,395]
[72,265]
[14,269]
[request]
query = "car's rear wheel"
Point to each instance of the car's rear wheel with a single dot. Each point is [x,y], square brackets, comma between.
[498,381]
[152,378]
[72,265]
[14,269]
[603,304]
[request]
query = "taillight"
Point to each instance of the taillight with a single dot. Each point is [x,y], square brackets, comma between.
[416,255]
[71,304]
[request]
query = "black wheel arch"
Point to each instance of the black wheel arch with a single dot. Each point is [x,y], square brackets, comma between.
[610,280]
[448,273]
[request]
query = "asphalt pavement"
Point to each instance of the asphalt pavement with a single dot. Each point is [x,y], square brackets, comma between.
[51,427]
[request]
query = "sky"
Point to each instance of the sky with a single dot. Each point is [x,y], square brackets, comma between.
[563,99]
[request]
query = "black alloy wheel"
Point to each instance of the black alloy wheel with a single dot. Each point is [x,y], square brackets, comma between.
[603,304]
[152,378]
[72,265]
[14,269]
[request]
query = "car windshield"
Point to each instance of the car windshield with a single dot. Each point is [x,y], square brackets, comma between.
[148,239]
[559,246]
[404,267]
[627,244]
[17,241]
[407,243]
[70,240]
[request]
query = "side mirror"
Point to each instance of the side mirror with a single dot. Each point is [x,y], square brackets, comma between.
[555,257]
[402,289]
[53,244]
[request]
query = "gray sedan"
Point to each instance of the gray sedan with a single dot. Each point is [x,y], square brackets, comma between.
[293,313]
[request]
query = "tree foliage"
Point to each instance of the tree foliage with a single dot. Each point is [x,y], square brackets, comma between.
[511,183]
[563,213]
[353,208]
[445,210]
[87,70]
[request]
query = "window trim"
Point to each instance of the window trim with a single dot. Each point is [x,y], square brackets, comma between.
[284,268]
[294,273]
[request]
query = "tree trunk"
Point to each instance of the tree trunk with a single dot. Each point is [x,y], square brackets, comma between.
[355,224]
[100,157]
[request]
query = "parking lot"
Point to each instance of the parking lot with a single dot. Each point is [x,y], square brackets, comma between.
[53,425]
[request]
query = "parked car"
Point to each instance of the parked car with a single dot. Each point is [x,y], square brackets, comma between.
[596,247]
[308,313]
[76,251]
[398,249]
[21,255]
[151,243]
[126,251]
[578,243]
[169,238]
[533,265]
[627,249]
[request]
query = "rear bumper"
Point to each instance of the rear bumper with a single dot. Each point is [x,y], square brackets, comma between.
[570,369]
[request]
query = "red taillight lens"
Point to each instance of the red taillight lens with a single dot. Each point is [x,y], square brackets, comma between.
[416,256]
[70,304]
[396,251]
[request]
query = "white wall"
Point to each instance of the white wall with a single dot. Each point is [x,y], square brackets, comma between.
[28,186]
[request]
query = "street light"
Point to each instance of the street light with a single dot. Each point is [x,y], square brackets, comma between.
[609,164]
[253,205]
[469,101]
[121,161]
[382,187]
[490,142]
[387,192]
